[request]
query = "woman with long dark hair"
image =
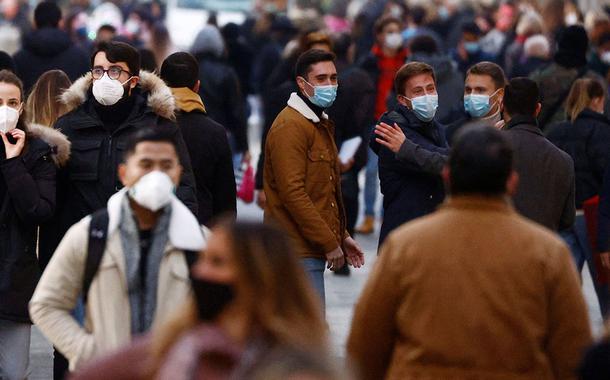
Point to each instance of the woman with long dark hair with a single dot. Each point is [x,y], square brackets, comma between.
[28,163]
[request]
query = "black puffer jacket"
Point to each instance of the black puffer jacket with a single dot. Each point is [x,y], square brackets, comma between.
[90,177]
[47,49]
[27,185]
[587,141]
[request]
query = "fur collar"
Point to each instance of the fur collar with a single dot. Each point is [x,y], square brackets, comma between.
[301,107]
[58,142]
[160,97]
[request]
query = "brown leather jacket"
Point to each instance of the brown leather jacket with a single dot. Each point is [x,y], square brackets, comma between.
[302,180]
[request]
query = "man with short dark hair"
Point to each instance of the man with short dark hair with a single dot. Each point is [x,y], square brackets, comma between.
[302,177]
[47,48]
[409,191]
[453,294]
[205,139]
[547,189]
[141,277]
[114,100]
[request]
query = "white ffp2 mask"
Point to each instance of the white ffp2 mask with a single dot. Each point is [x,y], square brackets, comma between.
[8,118]
[108,91]
[153,190]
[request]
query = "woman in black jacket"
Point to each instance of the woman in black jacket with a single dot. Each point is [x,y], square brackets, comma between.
[586,138]
[27,198]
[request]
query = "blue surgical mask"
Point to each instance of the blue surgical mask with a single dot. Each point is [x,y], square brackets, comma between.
[424,106]
[471,47]
[477,105]
[443,13]
[323,96]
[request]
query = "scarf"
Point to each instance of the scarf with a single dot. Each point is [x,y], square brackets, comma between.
[187,100]
[142,296]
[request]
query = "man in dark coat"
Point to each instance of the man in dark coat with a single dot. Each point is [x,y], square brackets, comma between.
[48,48]
[105,107]
[220,89]
[409,191]
[205,139]
[546,174]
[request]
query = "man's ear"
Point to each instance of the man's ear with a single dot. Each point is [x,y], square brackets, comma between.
[446,175]
[512,183]
[122,173]
[197,86]
[538,109]
[401,99]
[133,82]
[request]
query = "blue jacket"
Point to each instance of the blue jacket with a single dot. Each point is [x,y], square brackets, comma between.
[408,190]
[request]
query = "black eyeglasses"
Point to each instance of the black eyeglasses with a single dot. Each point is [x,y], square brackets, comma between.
[114,72]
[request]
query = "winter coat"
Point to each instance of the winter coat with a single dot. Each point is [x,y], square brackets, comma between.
[408,190]
[48,49]
[210,155]
[107,323]
[554,82]
[29,182]
[223,99]
[449,82]
[302,180]
[91,177]
[473,291]
[587,141]
[528,66]
[546,176]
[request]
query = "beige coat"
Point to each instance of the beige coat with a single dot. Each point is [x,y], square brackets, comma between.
[107,315]
[302,180]
[473,291]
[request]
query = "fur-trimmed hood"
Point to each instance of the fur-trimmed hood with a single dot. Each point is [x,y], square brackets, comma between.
[60,145]
[160,98]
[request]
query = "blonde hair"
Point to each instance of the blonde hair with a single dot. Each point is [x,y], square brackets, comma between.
[284,307]
[583,91]
[43,105]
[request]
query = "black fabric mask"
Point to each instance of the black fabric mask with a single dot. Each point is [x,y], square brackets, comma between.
[211,297]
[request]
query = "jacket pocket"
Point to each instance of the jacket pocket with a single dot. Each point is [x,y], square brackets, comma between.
[83,164]
[318,166]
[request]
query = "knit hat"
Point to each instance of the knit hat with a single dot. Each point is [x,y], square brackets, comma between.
[572,46]
[209,40]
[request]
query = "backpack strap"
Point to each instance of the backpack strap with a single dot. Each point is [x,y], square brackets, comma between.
[98,231]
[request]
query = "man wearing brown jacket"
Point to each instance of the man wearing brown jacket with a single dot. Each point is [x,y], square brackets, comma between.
[302,173]
[472,291]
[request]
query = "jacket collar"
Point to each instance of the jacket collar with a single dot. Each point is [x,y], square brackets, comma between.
[414,121]
[501,204]
[588,113]
[525,123]
[59,143]
[295,102]
[160,98]
[184,229]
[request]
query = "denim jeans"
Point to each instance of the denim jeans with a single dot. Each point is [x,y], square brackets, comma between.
[14,350]
[578,240]
[371,183]
[315,271]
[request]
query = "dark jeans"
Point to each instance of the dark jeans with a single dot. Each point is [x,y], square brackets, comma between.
[578,240]
[349,191]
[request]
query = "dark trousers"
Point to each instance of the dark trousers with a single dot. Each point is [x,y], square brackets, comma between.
[349,191]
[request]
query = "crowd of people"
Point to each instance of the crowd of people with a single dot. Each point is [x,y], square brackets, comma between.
[483,124]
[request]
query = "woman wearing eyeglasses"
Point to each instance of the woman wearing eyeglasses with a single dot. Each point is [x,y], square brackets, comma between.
[28,160]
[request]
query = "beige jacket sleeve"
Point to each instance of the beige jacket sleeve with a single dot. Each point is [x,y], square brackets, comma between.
[569,329]
[371,339]
[57,293]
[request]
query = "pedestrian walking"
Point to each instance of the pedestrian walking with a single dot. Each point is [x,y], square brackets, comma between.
[585,137]
[128,260]
[252,302]
[408,191]
[27,197]
[43,106]
[48,47]
[413,320]
[302,177]
[205,139]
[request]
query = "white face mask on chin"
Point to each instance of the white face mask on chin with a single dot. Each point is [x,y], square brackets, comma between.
[8,118]
[108,91]
[153,191]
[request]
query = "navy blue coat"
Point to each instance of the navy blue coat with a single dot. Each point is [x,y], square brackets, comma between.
[408,190]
